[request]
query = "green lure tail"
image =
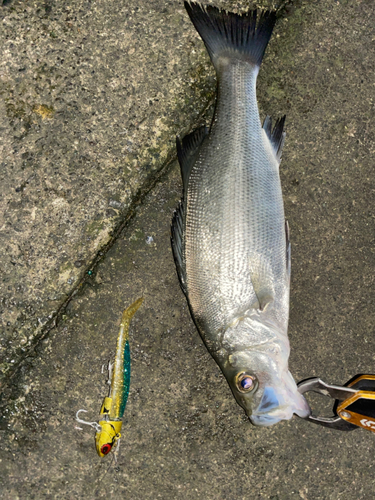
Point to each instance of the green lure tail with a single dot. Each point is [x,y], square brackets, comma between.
[121,367]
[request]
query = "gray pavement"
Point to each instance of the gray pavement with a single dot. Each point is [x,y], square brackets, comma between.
[92,95]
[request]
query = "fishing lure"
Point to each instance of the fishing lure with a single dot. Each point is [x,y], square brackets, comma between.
[108,429]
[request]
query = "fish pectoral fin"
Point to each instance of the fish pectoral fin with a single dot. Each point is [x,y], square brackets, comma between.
[177,240]
[275,136]
[265,299]
[261,279]
[187,150]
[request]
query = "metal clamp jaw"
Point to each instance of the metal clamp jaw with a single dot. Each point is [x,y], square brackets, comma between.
[336,392]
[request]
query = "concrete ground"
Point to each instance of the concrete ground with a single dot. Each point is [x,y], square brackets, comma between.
[92,96]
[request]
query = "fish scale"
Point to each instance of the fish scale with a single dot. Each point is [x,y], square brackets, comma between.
[234,209]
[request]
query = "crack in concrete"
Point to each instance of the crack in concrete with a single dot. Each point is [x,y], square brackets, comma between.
[8,385]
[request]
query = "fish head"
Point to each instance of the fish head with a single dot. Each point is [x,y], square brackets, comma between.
[263,386]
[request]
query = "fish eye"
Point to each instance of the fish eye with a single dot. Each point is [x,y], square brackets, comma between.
[245,382]
[106,448]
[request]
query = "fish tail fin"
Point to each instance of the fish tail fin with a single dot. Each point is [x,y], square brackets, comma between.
[228,35]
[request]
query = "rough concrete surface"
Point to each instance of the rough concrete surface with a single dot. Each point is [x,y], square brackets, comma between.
[92,95]
[81,143]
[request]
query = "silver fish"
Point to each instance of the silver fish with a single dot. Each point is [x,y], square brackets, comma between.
[229,236]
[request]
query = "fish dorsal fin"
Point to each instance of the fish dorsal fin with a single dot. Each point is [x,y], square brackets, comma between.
[277,135]
[187,150]
[177,239]
[261,279]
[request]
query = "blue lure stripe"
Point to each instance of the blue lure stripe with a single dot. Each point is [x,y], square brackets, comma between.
[126,373]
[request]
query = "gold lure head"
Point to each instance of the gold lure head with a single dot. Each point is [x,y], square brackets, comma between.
[107,437]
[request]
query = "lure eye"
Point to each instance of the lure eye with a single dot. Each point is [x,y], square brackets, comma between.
[106,448]
[245,382]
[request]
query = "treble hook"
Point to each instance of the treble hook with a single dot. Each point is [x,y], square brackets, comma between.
[95,425]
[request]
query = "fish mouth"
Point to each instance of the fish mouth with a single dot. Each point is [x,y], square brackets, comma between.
[271,418]
[273,408]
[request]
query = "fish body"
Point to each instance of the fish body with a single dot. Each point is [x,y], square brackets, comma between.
[229,235]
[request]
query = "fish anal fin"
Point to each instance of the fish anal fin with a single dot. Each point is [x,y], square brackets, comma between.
[187,150]
[288,249]
[275,136]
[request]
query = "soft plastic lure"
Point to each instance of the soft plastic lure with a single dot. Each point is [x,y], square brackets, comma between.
[108,429]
